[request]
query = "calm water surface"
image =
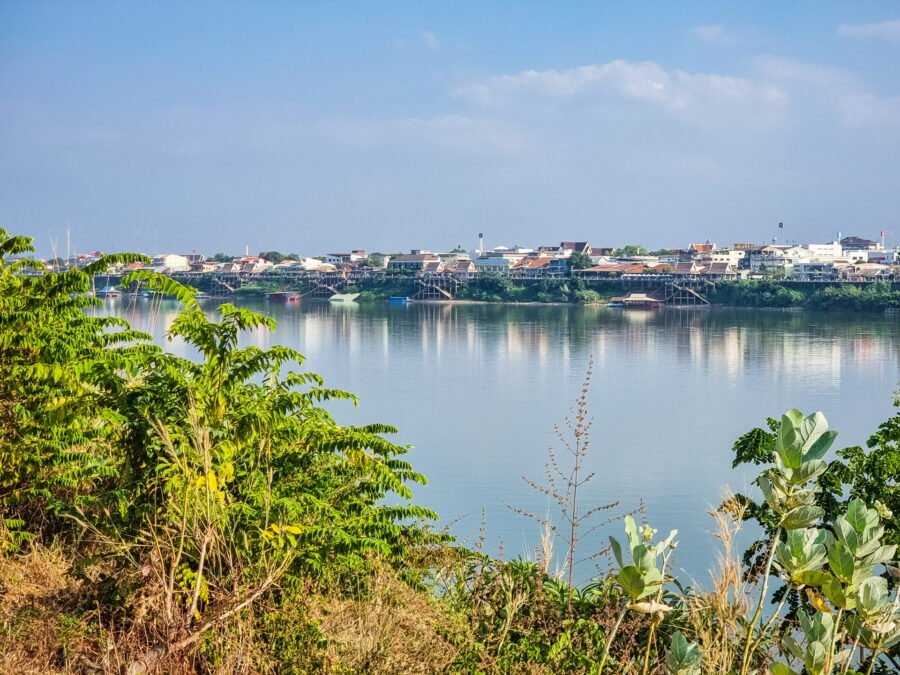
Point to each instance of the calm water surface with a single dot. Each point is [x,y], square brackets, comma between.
[478,389]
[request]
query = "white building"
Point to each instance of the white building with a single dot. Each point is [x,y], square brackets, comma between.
[171,262]
[354,256]
[777,258]
[886,257]
[729,256]
[825,253]
[493,265]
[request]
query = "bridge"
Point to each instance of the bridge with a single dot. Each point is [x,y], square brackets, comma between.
[671,290]
[668,289]
[326,287]
[436,287]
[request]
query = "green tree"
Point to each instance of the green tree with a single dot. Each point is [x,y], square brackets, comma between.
[273,257]
[203,485]
[62,369]
[632,249]
[580,261]
[242,480]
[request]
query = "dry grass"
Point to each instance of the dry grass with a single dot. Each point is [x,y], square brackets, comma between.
[32,588]
[393,629]
[47,628]
[48,624]
[714,616]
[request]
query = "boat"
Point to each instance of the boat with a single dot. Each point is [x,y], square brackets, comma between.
[343,297]
[635,301]
[398,300]
[283,296]
[109,292]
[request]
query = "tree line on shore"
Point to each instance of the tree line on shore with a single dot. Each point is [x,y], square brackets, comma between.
[161,514]
[873,297]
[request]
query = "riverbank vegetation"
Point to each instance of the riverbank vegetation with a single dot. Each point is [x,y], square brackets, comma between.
[168,515]
[845,297]
[875,297]
[489,288]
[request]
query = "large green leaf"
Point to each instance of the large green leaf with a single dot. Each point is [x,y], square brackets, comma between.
[631,581]
[802,516]
[617,551]
[682,657]
[631,531]
[841,562]
[835,593]
[768,491]
[788,445]
[872,594]
[820,447]
[644,558]
[808,471]
[814,658]
[857,515]
[812,578]
[810,429]
[881,555]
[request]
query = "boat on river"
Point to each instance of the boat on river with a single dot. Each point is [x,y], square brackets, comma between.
[343,297]
[283,296]
[109,292]
[636,301]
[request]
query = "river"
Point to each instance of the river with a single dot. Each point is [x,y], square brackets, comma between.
[478,389]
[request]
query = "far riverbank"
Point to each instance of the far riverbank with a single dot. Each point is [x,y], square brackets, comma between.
[847,297]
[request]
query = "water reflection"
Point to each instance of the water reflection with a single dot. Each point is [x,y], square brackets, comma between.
[478,389]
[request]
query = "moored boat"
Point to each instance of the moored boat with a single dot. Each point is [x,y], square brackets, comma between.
[343,297]
[109,292]
[636,301]
[283,296]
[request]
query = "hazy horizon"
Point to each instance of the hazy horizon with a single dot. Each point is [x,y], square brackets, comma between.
[315,128]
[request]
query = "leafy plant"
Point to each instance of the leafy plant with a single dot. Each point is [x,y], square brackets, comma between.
[643,576]
[683,658]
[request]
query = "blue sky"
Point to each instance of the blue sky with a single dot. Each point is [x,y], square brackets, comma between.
[311,126]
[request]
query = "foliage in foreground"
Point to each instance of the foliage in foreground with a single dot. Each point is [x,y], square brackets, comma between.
[186,492]
[161,514]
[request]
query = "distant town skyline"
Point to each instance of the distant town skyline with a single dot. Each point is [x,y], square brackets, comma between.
[302,127]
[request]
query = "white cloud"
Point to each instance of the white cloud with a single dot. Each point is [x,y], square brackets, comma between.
[774,91]
[715,34]
[702,96]
[431,41]
[883,30]
[829,87]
